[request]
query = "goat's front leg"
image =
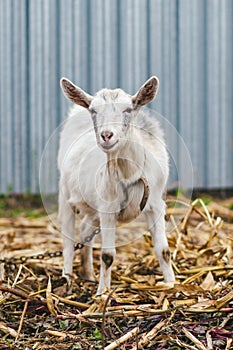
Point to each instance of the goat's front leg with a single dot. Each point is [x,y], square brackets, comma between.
[156,225]
[108,253]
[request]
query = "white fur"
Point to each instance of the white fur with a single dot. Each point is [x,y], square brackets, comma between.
[91,178]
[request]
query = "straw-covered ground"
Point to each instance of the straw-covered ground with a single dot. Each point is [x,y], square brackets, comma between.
[140,312]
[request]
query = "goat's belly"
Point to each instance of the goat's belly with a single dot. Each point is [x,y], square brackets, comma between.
[128,208]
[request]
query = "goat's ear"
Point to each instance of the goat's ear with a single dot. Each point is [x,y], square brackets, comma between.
[75,94]
[146,93]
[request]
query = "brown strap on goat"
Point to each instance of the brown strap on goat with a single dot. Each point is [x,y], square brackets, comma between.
[145,194]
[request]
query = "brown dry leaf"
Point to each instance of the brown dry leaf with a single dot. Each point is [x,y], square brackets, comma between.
[165,304]
[194,277]
[188,302]
[7,236]
[197,342]
[71,302]
[207,268]
[127,279]
[140,286]
[220,210]
[49,298]
[122,339]
[130,299]
[148,336]
[224,300]
[99,303]
[209,282]
[187,289]
[209,340]
[229,344]
[204,305]
[8,330]
[60,335]
[2,272]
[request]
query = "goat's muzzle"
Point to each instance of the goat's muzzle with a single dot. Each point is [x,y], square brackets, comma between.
[106,135]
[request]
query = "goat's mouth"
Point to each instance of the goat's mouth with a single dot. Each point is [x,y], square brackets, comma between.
[107,146]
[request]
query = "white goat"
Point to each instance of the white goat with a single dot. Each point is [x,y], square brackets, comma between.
[113,164]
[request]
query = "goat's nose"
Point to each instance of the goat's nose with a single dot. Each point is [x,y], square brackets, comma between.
[106,135]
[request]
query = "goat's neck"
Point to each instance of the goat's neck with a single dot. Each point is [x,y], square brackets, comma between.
[127,165]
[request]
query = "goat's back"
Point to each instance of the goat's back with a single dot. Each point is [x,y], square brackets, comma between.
[77,128]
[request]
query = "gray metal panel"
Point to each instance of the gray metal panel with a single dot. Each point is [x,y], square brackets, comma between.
[220,93]
[192,85]
[101,43]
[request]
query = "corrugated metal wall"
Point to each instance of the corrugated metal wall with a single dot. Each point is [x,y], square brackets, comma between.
[117,43]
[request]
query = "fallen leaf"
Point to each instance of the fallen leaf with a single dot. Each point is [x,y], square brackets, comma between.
[49,298]
[209,282]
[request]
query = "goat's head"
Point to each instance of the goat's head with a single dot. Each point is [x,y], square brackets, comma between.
[111,110]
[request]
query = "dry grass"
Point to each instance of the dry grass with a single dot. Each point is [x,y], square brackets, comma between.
[140,312]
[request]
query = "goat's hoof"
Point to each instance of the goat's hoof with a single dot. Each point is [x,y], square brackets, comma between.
[89,277]
[69,283]
[102,292]
[170,284]
[167,285]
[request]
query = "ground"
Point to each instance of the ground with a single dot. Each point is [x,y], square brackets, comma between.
[140,311]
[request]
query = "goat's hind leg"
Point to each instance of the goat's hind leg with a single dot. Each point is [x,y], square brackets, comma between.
[67,218]
[88,225]
[156,225]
